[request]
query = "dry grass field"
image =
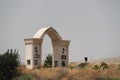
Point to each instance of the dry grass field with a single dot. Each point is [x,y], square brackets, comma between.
[74,73]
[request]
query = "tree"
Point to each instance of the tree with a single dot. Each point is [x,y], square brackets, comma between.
[86,59]
[48,61]
[9,62]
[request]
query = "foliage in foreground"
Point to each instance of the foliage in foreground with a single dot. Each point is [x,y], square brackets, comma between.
[24,77]
[73,74]
[109,78]
[9,62]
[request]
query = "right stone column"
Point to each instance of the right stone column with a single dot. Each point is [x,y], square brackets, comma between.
[65,53]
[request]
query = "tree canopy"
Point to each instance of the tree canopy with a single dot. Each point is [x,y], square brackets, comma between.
[9,62]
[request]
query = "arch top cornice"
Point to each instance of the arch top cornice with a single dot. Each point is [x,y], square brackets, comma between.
[52,33]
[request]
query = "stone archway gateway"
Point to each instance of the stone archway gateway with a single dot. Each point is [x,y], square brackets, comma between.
[33,49]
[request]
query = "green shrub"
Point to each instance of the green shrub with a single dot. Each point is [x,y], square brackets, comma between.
[9,63]
[96,67]
[109,78]
[82,65]
[71,67]
[24,77]
[118,67]
[104,65]
[48,61]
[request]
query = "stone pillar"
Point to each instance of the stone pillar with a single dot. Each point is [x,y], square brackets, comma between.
[60,53]
[56,53]
[65,53]
[33,52]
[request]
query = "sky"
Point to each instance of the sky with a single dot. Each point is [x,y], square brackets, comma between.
[92,26]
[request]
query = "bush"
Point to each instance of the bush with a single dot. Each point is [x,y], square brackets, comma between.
[82,65]
[48,61]
[109,78]
[118,67]
[24,77]
[71,67]
[96,67]
[104,65]
[9,63]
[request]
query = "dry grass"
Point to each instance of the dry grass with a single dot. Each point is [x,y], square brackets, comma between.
[74,73]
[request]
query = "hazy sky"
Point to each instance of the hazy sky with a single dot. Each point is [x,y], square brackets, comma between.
[92,26]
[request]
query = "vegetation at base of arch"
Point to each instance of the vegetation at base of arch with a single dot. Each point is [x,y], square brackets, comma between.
[9,62]
[48,61]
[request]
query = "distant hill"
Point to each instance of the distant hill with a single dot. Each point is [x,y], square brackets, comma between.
[108,60]
[115,60]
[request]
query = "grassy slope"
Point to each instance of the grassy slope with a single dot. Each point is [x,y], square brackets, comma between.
[86,73]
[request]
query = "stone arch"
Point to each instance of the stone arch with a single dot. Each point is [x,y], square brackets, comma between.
[52,33]
[33,48]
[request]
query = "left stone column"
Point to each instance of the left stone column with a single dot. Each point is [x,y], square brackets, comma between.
[33,52]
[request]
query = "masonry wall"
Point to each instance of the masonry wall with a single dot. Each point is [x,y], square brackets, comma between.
[29,56]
